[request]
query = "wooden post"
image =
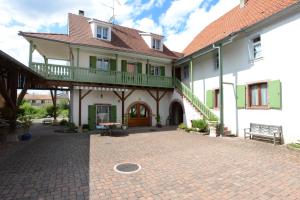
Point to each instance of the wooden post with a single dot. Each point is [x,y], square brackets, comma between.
[54,98]
[79,108]
[157,103]
[123,107]
[123,99]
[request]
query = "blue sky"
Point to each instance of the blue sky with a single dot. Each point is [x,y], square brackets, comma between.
[178,20]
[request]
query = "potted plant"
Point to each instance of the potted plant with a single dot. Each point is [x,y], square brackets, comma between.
[158,122]
[125,125]
[212,124]
[26,123]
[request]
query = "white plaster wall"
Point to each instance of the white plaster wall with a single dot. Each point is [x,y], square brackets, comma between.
[189,112]
[280,46]
[110,98]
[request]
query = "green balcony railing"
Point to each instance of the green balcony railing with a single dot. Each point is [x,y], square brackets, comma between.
[187,92]
[79,74]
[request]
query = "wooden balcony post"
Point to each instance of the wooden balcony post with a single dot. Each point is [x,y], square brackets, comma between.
[54,98]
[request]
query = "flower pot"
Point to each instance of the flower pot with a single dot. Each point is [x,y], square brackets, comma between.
[212,128]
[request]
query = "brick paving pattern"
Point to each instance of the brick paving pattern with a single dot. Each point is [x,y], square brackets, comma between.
[175,165]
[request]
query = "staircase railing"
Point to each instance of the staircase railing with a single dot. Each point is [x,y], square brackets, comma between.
[187,92]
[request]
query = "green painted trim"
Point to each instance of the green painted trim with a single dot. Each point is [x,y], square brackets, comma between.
[241,96]
[77,64]
[274,93]
[162,71]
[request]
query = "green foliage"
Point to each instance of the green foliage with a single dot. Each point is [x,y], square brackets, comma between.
[63,122]
[200,124]
[25,121]
[26,109]
[71,126]
[213,118]
[182,126]
[50,110]
[63,104]
[157,119]
[63,113]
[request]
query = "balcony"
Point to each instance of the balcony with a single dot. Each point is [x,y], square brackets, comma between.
[87,75]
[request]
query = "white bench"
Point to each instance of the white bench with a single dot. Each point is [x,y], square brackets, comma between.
[264,132]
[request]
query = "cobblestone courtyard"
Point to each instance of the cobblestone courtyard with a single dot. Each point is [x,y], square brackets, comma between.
[175,165]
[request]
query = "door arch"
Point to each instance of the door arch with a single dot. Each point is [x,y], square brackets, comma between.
[139,114]
[176,113]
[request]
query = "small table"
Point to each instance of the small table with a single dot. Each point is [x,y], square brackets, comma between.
[109,125]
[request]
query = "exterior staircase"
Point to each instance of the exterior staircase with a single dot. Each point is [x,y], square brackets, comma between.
[186,92]
[194,100]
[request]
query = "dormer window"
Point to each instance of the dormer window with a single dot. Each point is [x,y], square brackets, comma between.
[156,44]
[102,32]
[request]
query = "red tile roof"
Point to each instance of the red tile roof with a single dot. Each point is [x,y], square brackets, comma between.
[122,39]
[236,20]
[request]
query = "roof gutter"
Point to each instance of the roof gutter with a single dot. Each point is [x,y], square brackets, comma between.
[229,39]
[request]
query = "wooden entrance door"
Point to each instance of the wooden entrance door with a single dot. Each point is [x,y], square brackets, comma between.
[139,115]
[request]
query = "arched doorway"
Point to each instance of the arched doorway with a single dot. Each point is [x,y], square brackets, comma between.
[176,113]
[139,114]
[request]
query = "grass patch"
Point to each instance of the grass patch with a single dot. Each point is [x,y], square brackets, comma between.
[294,146]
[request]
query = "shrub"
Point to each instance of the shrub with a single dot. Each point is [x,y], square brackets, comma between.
[63,122]
[64,113]
[200,124]
[182,126]
[85,126]
[71,126]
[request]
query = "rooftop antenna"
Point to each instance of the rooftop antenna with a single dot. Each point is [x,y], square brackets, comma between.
[112,18]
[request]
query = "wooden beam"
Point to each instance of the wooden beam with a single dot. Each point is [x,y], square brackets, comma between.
[165,92]
[79,109]
[123,106]
[118,95]
[152,95]
[54,98]
[22,94]
[88,92]
[129,94]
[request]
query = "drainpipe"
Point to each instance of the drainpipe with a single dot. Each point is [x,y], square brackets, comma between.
[219,48]
[191,76]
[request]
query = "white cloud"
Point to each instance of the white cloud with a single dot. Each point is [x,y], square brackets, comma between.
[196,21]
[146,24]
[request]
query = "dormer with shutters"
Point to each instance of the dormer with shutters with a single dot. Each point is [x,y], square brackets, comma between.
[100,30]
[153,41]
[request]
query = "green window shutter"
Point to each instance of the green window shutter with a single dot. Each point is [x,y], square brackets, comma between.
[162,71]
[124,65]
[210,99]
[92,117]
[113,113]
[139,68]
[274,92]
[241,96]
[113,65]
[93,61]
[147,70]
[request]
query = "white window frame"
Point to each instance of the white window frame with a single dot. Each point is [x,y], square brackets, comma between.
[101,66]
[251,48]
[108,113]
[100,35]
[155,70]
[156,43]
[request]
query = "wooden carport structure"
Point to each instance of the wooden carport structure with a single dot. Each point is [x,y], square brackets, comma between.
[13,76]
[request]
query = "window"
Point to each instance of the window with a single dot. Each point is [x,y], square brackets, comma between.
[217,98]
[186,73]
[257,51]
[102,32]
[102,64]
[155,70]
[155,44]
[102,113]
[131,67]
[216,61]
[258,95]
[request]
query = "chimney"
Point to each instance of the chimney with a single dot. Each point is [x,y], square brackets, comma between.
[243,3]
[81,12]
